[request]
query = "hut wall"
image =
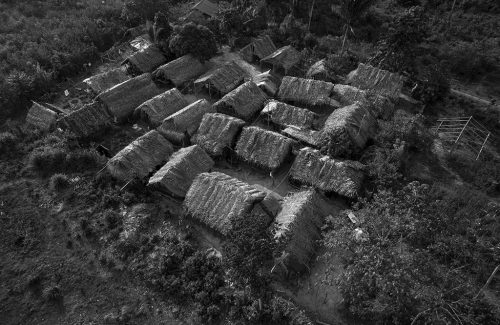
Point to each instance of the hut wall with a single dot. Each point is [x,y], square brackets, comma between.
[284,58]
[223,79]
[146,60]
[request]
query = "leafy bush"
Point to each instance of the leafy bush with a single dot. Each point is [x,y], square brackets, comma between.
[8,142]
[47,160]
[468,61]
[432,85]
[193,39]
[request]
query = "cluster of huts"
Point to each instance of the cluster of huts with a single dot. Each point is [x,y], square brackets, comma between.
[306,122]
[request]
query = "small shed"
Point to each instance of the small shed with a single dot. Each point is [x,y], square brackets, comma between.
[41,117]
[180,71]
[185,122]
[307,92]
[156,109]
[377,80]
[177,175]
[88,120]
[145,60]
[285,115]
[222,80]
[263,148]
[105,80]
[343,177]
[217,133]
[243,102]
[283,59]
[140,157]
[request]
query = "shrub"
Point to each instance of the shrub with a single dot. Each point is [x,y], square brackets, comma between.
[59,183]
[8,142]
[310,41]
[468,61]
[432,85]
[47,160]
[193,39]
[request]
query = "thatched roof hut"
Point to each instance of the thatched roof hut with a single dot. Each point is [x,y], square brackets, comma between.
[123,98]
[267,82]
[140,157]
[177,175]
[379,81]
[102,81]
[263,148]
[217,132]
[89,119]
[146,60]
[308,137]
[186,121]
[217,200]
[346,129]
[243,102]
[180,70]
[156,109]
[285,115]
[223,79]
[41,117]
[297,228]
[307,92]
[284,58]
[380,106]
[319,71]
[207,7]
[259,48]
[343,177]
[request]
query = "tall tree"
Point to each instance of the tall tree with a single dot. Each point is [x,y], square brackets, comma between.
[350,10]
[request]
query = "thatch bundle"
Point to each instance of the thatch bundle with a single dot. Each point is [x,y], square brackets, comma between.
[217,132]
[284,58]
[146,60]
[176,176]
[223,79]
[343,177]
[309,137]
[259,48]
[41,117]
[263,148]
[379,81]
[267,82]
[140,157]
[347,129]
[297,228]
[89,119]
[181,70]
[106,80]
[307,91]
[156,109]
[319,71]
[123,98]
[186,121]
[380,106]
[216,199]
[243,102]
[286,115]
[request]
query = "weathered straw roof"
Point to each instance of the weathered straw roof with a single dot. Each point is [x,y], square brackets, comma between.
[263,148]
[297,228]
[123,98]
[285,115]
[309,137]
[41,117]
[379,105]
[267,82]
[140,157]
[207,7]
[106,80]
[223,79]
[343,177]
[89,119]
[217,199]
[243,102]
[319,71]
[181,70]
[146,60]
[259,47]
[285,57]
[177,175]
[155,110]
[187,120]
[348,126]
[380,81]
[307,91]
[217,132]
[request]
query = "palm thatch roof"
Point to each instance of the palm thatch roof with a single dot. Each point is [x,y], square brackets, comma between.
[177,175]
[156,109]
[146,60]
[187,120]
[267,82]
[260,47]
[89,119]
[217,132]
[285,115]
[207,7]
[223,79]
[347,128]
[263,148]
[106,80]
[343,177]
[180,70]
[319,71]
[140,157]
[217,200]
[123,98]
[308,137]
[379,81]
[41,117]
[307,91]
[243,102]
[381,106]
[284,58]
[297,228]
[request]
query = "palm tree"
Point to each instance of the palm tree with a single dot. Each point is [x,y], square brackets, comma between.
[350,10]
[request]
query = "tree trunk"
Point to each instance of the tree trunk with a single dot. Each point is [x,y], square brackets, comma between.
[310,16]
[344,40]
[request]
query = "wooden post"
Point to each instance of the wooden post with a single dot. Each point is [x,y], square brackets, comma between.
[460,135]
[482,146]
[437,131]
